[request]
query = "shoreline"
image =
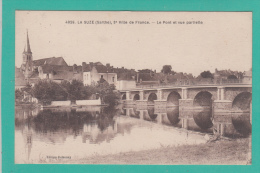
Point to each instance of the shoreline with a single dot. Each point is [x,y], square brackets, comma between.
[221,152]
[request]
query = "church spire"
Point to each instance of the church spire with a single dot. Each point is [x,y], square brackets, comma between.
[28,44]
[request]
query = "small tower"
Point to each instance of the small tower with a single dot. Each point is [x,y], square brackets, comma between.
[27,65]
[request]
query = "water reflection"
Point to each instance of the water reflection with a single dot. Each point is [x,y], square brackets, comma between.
[202,117]
[89,131]
[151,115]
[173,115]
[241,122]
[199,119]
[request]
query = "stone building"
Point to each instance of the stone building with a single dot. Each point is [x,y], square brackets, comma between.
[94,72]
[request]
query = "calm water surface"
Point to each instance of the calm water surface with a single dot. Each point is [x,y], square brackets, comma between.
[42,136]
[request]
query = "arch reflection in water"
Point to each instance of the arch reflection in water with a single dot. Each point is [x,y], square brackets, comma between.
[173,115]
[241,113]
[203,118]
[135,113]
[202,110]
[151,113]
[241,122]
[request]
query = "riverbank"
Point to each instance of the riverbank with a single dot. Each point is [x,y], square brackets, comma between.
[221,152]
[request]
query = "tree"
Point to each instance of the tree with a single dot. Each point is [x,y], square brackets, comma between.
[107,93]
[77,91]
[18,94]
[166,69]
[44,91]
[231,77]
[206,74]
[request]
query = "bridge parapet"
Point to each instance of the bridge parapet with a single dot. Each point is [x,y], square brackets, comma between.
[187,83]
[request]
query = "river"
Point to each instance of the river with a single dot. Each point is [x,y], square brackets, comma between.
[60,134]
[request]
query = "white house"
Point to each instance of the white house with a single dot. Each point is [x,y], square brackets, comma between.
[97,72]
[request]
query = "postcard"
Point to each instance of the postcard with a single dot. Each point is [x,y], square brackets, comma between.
[148,88]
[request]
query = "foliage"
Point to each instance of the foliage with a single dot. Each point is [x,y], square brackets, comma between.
[107,93]
[166,69]
[77,91]
[18,94]
[231,77]
[46,91]
[206,74]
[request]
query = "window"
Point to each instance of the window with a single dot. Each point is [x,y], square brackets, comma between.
[101,76]
[113,79]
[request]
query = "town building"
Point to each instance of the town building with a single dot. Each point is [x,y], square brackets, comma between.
[247,76]
[95,72]
[53,68]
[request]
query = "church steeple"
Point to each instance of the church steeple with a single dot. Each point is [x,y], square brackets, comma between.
[28,44]
[27,66]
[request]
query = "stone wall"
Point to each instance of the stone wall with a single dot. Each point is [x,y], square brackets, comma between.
[61,103]
[232,92]
[194,91]
[88,102]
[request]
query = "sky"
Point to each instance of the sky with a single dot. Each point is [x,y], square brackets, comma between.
[222,40]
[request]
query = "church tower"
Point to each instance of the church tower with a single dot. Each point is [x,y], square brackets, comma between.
[27,65]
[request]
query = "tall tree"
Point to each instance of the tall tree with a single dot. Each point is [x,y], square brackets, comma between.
[206,74]
[166,69]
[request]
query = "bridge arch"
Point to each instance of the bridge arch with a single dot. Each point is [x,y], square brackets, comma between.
[136,97]
[202,109]
[123,97]
[151,98]
[203,98]
[173,99]
[242,101]
[241,111]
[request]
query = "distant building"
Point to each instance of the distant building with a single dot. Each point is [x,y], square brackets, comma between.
[125,84]
[94,72]
[247,76]
[227,74]
[53,68]
[146,76]
[56,69]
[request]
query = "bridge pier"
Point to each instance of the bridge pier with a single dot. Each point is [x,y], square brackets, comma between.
[222,117]
[141,115]
[128,100]
[221,112]
[160,118]
[184,93]
[128,112]
[160,103]
[221,93]
[186,108]
[219,104]
[142,102]
[184,123]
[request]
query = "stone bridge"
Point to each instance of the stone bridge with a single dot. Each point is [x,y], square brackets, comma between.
[216,103]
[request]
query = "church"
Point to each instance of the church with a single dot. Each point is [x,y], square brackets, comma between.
[56,69]
[53,68]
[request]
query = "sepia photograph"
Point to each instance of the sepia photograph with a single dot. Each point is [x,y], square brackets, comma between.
[133,88]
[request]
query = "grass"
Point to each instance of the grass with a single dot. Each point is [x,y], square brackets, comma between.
[221,152]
